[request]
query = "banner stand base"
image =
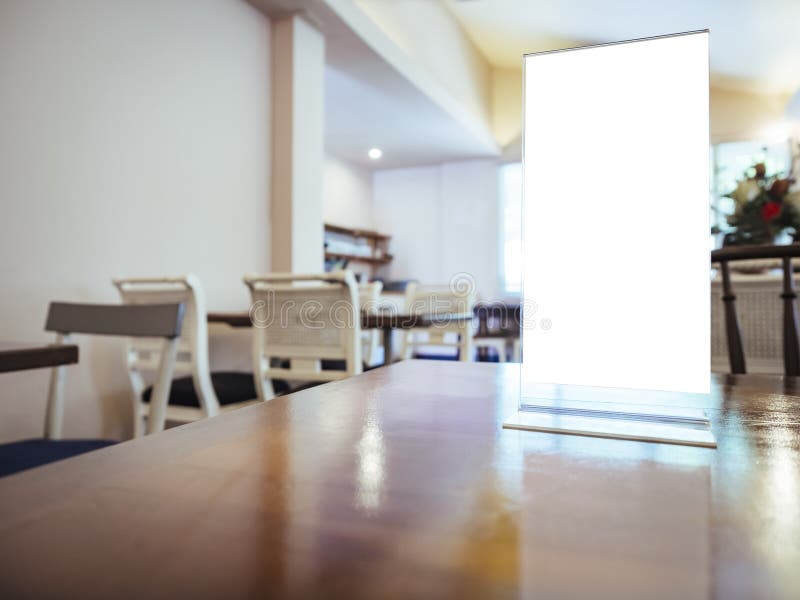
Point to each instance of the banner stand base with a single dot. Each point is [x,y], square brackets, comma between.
[639,425]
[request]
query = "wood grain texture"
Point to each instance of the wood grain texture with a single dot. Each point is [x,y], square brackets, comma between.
[19,356]
[401,483]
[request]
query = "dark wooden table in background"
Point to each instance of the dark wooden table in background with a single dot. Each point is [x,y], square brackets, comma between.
[401,483]
[20,356]
[385,321]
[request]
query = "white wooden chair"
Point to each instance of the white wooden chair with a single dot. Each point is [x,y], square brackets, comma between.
[439,300]
[193,395]
[369,298]
[309,325]
[160,323]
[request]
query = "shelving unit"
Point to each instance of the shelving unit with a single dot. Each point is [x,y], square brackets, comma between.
[341,244]
[384,260]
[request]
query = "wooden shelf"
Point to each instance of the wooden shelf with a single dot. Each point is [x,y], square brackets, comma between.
[383,260]
[377,245]
[358,233]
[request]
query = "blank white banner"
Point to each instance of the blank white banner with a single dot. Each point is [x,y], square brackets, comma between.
[616,216]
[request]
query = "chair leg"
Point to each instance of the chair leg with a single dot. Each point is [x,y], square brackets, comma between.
[158,402]
[516,351]
[138,419]
[55,404]
[467,348]
[54,421]
[139,409]
[205,393]
[791,345]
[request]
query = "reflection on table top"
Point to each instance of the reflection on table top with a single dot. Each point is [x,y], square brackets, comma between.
[400,483]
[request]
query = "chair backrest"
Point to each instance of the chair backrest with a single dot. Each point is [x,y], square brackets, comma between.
[791,345]
[162,321]
[498,319]
[369,298]
[192,357]
[155,320]
[303,320]
[439,300]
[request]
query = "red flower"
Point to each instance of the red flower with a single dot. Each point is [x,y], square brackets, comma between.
[770,211]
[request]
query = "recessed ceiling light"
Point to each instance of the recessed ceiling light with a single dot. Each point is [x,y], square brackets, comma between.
[375,153]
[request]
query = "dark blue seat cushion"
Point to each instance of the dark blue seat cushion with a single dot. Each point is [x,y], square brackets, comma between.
[490,356]
[230,386]
[428,356]
[26,454]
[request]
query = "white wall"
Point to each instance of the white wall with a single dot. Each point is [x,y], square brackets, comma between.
[743,115]
[135,141]
[470,216]
[347,194]
[408,207]
[443,221]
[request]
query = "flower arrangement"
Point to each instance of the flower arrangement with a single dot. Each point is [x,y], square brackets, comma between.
[764,208]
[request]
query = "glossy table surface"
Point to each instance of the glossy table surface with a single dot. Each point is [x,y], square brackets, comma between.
[401,483]
[20,356]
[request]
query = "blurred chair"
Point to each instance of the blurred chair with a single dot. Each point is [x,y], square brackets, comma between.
[791,335]
[305,328]
[369,296]
[196,393]
[498,329]
[488,337]
[439,301]
[161,322]
[516,350]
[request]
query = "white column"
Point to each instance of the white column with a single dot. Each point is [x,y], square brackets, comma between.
[298,55]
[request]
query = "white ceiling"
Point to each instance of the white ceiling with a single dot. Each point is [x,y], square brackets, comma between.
[754,43]
[371,101]
[409,128]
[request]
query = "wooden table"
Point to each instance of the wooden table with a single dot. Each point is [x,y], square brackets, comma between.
[20,356]
[385,321]
[401,483]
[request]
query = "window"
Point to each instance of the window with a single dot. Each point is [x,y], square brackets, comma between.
[732,161]
[511,228]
